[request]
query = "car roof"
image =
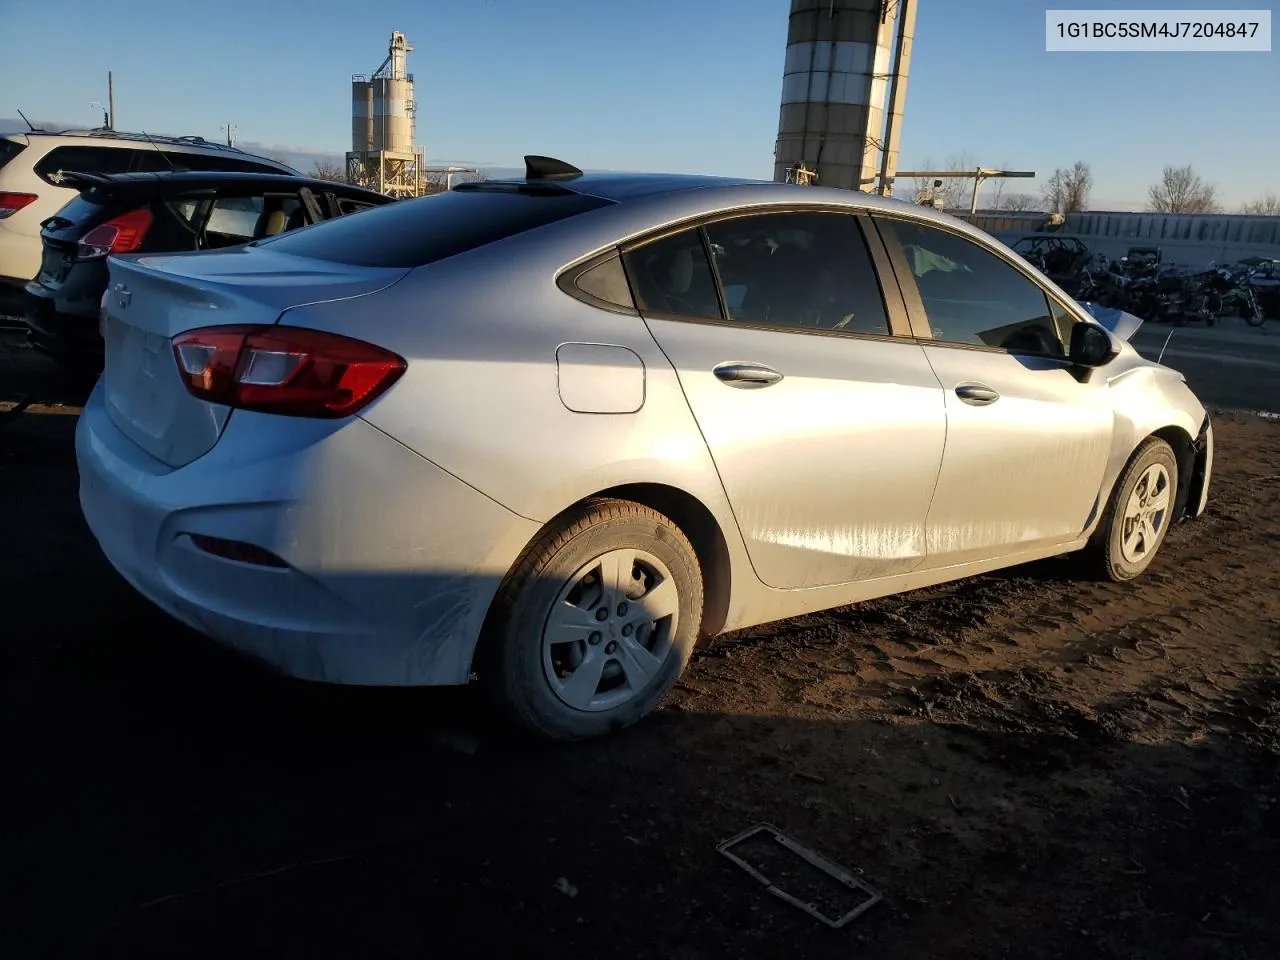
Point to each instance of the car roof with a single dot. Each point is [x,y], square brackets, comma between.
[627,187]
[189,178]
[100,135]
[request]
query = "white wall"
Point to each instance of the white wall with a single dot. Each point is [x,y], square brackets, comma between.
[1191,240]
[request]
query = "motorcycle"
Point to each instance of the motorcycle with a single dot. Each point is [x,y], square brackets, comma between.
[1222,294]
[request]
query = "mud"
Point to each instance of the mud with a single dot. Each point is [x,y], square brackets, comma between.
[1028,764]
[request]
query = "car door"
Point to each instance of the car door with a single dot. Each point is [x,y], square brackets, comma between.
[1028,438]
[825,427]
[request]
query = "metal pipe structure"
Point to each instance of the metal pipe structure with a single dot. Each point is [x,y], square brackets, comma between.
[897,95]
[978,175]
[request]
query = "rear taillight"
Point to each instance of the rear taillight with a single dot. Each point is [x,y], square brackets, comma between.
[285,370]
[118,235]
[11,203]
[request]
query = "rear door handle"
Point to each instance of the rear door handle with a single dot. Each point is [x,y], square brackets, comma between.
[746,375]
[976,394]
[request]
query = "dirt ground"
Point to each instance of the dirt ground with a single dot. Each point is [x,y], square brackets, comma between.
[1026,765]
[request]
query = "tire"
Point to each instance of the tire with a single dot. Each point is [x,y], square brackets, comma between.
[1113,557]
[560,574]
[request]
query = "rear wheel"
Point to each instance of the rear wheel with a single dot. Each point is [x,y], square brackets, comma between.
[595,623]
[1139,513]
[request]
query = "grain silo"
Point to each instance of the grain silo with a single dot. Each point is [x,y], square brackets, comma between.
[383,154]
[843,88]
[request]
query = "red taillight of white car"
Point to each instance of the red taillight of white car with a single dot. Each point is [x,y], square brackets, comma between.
[284,370]
[119,235]
[11,203]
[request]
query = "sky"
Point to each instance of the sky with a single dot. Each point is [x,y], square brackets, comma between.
[671,85]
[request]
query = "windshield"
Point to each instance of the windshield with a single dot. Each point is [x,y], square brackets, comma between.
[79,210]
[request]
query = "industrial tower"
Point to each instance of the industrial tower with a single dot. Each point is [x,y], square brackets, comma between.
[844,88]
[383,156]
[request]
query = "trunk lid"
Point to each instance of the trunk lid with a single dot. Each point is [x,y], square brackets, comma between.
[152,298]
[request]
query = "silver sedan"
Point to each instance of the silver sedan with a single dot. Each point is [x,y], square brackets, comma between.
[553,430]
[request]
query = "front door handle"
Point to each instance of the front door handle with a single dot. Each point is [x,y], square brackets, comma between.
[744,374]
[977,394]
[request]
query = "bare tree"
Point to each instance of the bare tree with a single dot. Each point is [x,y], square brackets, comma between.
[997,193]
[1181,190]
[326,170]
[1067,191]
[1019,202]
[1268,206]
[955,190]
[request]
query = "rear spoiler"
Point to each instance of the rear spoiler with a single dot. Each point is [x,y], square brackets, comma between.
[84,181]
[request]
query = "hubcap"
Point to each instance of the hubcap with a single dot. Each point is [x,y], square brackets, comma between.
[1145,514]
[628,600]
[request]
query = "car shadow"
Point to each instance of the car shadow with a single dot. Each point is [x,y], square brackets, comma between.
[33,379]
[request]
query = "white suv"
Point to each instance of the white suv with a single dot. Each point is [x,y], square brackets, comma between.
[32,164]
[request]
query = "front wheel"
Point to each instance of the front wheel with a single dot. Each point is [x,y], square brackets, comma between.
[1139,512]
[595,623]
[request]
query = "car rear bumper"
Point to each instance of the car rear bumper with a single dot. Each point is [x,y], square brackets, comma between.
[389,562]
[19,253]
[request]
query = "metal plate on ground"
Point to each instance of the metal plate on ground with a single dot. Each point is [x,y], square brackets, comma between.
[839,877]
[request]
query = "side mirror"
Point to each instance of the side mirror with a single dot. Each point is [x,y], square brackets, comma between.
[1090,346]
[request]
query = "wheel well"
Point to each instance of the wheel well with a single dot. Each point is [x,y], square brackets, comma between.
[1185,451]
[688,513]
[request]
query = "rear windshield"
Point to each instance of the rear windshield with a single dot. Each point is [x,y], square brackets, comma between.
[10,149]
[410,233]
[80,210]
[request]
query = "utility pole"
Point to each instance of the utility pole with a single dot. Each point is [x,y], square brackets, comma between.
[111,101]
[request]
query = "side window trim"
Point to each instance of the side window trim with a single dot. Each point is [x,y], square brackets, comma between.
[917,318]
[567,281]
[915,304]
[895,303]
[898,314]
[716,282]
[312,205]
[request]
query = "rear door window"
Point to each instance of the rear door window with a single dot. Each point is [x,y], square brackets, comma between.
[672,277]
[346,206]
[809,271]
[87,159]
[410,233]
